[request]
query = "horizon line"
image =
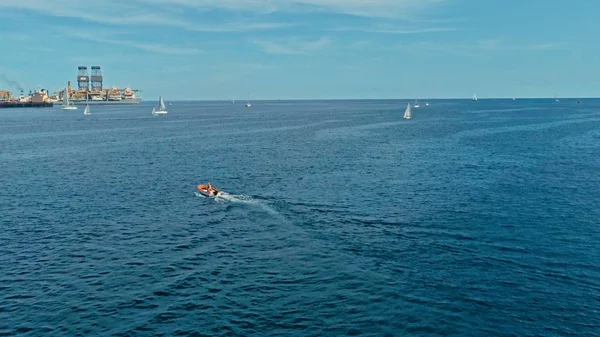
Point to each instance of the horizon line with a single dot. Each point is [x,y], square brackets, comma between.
[375,99]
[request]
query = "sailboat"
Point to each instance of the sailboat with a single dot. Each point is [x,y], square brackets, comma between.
[417,103]
[248,104]
[474,98]
[87,107]
[161,109]
[407,113]
[66,104]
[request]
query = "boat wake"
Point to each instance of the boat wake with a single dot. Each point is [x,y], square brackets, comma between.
[241,199]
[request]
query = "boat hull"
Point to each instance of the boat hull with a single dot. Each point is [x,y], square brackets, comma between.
[68,108]
[202,189]
[104,102]
[26,105]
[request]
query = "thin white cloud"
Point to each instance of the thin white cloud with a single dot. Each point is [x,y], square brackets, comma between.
[155,48]
[160,12]
[366,8]
[486,45]
[16,37]
[232,67]
[546,46]
[140,13]
[242,26]
[292,46]
[126,13]
[395,30]
[502,44]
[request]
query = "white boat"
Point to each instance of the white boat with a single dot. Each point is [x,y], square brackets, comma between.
[87,110]
[407,112]
[474,98]
[417,103]
[248,104]
[66,104]
[426,103]
[161,109]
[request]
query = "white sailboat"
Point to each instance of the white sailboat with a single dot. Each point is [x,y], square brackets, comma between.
[248,104]
[417,103]
[474,98]
[407,112]
[66,104]
[87,107]
[161,109]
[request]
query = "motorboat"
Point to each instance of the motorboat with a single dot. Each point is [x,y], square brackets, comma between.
[209,190]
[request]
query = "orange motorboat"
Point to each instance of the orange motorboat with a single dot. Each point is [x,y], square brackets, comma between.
[209,191]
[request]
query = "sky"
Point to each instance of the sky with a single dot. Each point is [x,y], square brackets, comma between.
[306,49]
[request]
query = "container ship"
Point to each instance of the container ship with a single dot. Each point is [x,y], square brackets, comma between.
[37,99]
[90,90]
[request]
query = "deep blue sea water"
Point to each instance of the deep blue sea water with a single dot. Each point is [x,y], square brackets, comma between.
[471,219]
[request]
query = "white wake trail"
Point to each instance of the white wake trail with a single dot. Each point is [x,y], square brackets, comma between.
[242,199]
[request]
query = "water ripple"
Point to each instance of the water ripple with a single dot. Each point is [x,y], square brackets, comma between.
[341,219]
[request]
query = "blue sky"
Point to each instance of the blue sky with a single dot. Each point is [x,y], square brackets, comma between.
[268,49]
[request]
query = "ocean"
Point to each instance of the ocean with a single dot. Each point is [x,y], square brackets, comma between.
[341,219]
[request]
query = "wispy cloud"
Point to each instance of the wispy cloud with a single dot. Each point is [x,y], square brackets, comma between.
[292,46]
[502,44]
[15,37]
[137,13]
[370,8]
[155,48]
[485,45]
[127,13]
[546,46]
[233,67]
[160,12]
[395,30]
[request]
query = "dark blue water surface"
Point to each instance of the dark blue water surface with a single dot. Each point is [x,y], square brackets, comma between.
[471,219]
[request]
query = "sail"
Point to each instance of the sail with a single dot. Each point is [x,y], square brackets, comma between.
[65,98]
[87,110]
[161,104]
[407,112]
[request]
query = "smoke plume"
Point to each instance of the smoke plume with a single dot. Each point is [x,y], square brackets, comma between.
[11,83]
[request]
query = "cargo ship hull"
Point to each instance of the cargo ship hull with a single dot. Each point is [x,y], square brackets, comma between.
[26,105]
[105,102]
